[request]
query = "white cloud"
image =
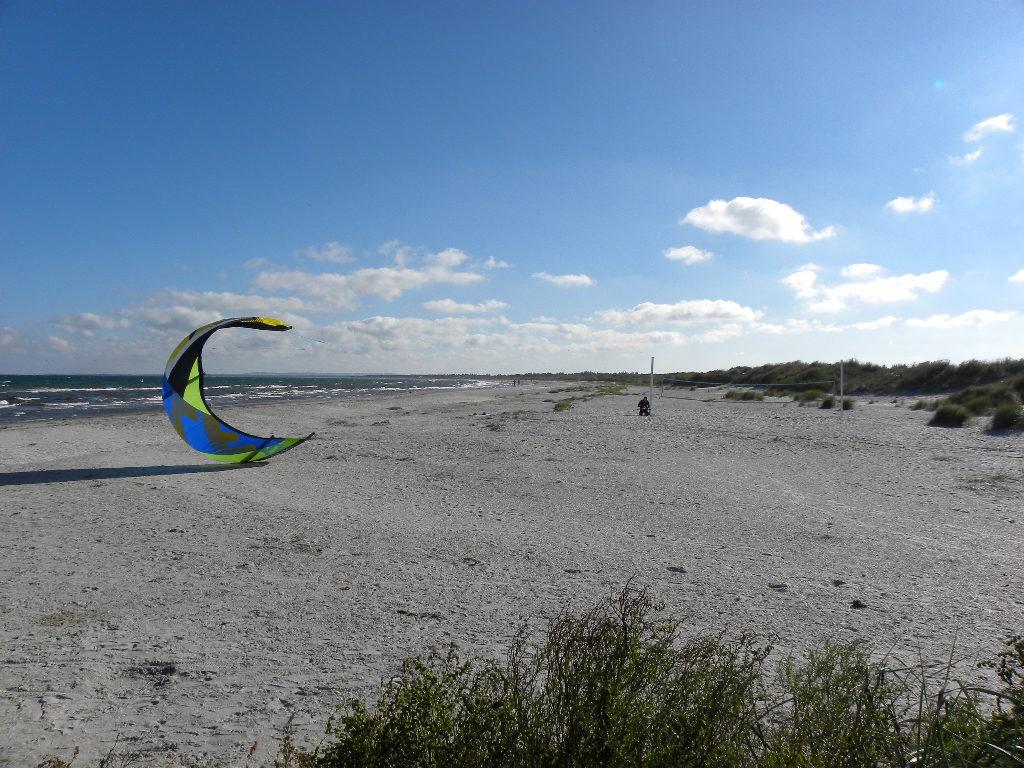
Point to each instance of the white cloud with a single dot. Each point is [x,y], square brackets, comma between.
[804,281]
[564,281]
[912,204]
[697,311]
[452,307]
[343,291]
[57,344]
[90,321]
[874,325]
[687,254]
[1016,277]
[758,218]
[860,271]
[397,250]
[1004,123]
[493,263]
[8,336]
[333,252]
[872,290]
[256,263]
[973,318]
[967,159]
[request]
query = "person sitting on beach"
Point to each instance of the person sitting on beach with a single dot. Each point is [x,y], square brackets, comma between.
[645,406]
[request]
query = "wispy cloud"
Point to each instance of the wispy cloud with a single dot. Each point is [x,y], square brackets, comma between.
[973,318]
[332,252]
[912,204]
[758,218]
[493,263]
[344,291]
[695,311]
[967,159]
[866,290]
[860,271]
[1004,123]
[565,281]
[452,307]
[257,262]
[687,254]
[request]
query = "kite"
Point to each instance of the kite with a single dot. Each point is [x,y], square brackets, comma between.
[191,415]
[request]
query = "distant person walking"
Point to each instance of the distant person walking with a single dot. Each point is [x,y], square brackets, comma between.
[645,406]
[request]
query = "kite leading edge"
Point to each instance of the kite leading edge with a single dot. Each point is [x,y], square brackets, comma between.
[191,415]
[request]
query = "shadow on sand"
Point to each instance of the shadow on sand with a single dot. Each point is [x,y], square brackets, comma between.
[39,476]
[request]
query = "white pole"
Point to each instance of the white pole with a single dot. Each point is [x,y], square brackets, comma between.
[841,387]
[651,398]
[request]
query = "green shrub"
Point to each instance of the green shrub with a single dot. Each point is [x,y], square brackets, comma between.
[564,405]
[978,405]
[828,402]
[920,405]
[950,416]
[619,686]
[744,394]
[1008,416]
[847,404]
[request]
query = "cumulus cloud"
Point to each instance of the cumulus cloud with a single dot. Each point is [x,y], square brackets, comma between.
[973,318]
[564,281]
[758,218]
[333,252]
[452,307]
[696,311]
[397,250]
[688,254]
[866,290]
[1016,277]
[343,291]
[58,344]
[1004,123]
[912,204]
[860,271]
[967,159]
[90,321]
[493,263]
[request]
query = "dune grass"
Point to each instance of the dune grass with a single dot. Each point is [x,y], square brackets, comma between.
[1008,416]
[950,415]
[620,686]
[746,395]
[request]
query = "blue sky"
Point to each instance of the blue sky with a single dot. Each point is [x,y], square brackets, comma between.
[508,187]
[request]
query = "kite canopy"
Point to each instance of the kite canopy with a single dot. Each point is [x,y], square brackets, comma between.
[190,414]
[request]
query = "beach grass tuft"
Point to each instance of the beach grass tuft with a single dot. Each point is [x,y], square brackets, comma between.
[828,402]
[950,415]
[564,405]
[1008,416]
[743,394]
[848,404]
[625,685]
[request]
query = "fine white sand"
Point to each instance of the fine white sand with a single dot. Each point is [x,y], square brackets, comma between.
[184,610]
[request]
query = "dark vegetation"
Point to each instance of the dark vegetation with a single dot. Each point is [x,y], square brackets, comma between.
[743,394]
[861,378]
[619,686]
[950,415]
[586,393]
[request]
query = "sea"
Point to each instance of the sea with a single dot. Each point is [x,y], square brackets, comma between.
[51,397]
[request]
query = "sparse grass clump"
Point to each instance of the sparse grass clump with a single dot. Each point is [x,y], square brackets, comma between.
[743,394]
[920,405]
[950,416]
[828,402]
[1008,416]
[564,405]
[848,404]
[808,395]
[619,686]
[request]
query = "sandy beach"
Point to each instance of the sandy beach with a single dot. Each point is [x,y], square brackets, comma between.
[184,609]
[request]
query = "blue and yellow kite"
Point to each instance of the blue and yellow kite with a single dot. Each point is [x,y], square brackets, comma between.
[191,415]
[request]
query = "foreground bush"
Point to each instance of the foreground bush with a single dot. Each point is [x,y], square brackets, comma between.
[828,402]
[848,404]
[1008,416]
[619,687]
[950,416]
